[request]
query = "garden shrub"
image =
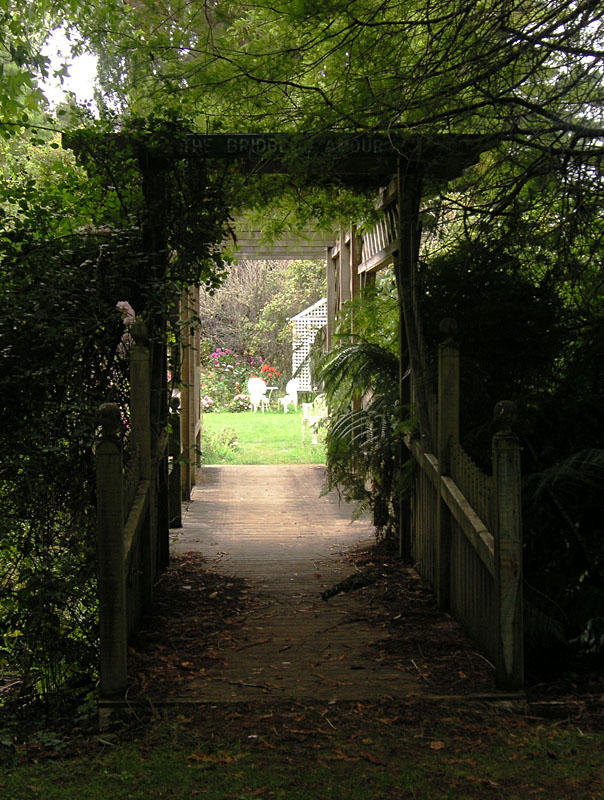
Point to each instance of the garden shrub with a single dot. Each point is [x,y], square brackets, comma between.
[224,378]
[218,446]
[527,341]
[224,375]
[363,431]
[59,334]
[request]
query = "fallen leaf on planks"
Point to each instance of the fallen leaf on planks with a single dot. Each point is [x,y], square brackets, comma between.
[437,745]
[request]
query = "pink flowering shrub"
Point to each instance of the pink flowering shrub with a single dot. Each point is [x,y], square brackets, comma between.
[241,402]
[224,377]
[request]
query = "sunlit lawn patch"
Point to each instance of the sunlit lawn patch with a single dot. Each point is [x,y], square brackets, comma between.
[271,437]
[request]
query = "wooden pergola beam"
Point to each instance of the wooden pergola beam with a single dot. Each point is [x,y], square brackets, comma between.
[352,159]
[364,161]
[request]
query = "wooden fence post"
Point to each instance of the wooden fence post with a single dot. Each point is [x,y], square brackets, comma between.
[448,432]
[508,548]
[110,543]
[175,476]
[140,414]
[331,298]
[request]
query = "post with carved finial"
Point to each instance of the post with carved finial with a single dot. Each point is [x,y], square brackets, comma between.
[448,433]
[508,548]
[174,452]
[110,544]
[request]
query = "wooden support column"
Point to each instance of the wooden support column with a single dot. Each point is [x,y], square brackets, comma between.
[405,266]
[161,542]
[355,260]
[163,521]
[411,376]
[174,417]
[190,389]
[331,297]
[404,393]
[140,396]
[448,433]
[174,451]
[196,378]
[345,280]
[110,542]
[508,548]
[354,255]
[185,398]
[154,167]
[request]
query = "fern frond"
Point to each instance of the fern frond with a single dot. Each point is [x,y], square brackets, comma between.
[581,474]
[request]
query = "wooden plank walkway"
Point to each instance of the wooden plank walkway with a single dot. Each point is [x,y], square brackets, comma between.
[271,526]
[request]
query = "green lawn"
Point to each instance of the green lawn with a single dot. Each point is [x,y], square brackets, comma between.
[271,437]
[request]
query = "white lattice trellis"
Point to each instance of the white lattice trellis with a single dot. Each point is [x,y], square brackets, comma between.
[305,327]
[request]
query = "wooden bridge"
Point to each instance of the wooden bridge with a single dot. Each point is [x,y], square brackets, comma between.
[270,525]
[461,528]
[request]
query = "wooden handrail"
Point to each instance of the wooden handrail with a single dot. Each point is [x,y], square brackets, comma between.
[494,538]
[474,528]
[135,520]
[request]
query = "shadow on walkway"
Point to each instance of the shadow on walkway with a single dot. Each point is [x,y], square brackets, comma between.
[240,615]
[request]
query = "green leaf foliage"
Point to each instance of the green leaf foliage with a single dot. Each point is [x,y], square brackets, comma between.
[59,337]
[73,242]
[360,378]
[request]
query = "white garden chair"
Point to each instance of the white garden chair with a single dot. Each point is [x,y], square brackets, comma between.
[256,388]
[291,395]
[312,414]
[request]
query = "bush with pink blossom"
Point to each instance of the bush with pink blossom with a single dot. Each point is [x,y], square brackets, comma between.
[224,377]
